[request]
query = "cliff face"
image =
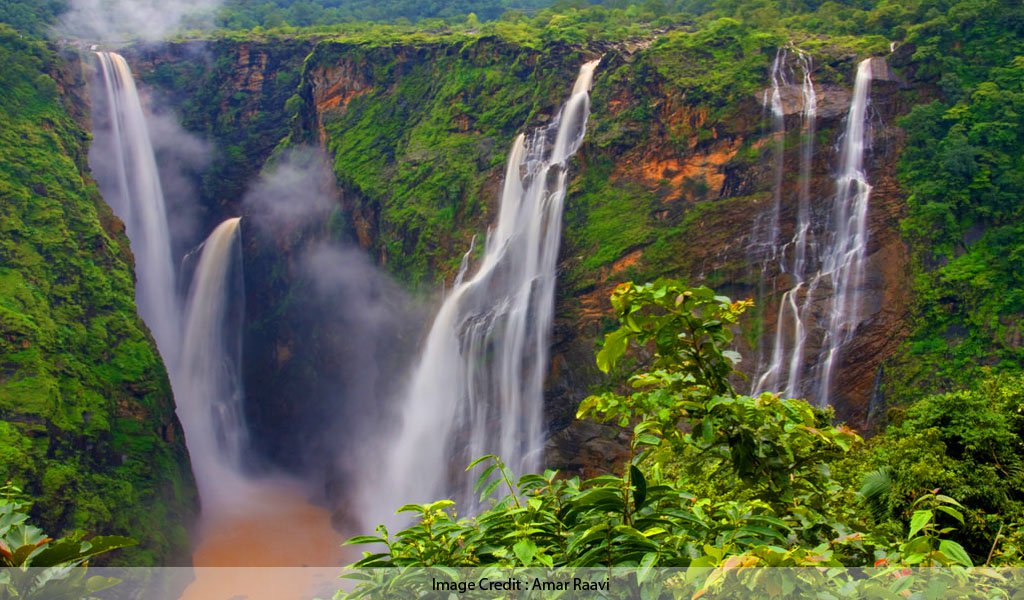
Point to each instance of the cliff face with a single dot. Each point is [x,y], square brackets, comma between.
[231,92]
[87,423]
[675,172]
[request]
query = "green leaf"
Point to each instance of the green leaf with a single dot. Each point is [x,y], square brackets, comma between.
[639,485]
[482,459]
[364,539]
[648,439]
[959,516]
[614,346]
[947,500]
[525,550]
[68,552]
[955,552]
[918,522]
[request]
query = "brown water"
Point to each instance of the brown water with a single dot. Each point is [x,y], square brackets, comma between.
[276,527]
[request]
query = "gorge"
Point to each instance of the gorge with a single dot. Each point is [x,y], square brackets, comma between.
[817,244]
[384,295]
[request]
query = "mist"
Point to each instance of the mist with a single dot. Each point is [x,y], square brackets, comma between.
[182,157]
[329,334]
[368,330]
[149,20]
[294,191]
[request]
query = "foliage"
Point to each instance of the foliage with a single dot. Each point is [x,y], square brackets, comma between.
[36,566]
[965,174]
[84,399]
[774,504]
[422,142]
[223,95]
[970,445]
[237,14]
[31,16]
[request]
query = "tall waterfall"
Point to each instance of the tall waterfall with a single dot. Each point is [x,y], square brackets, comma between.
[478,386]
[824,260]
[843,257]
[202,350]
[786,363]
[133,190]
[208,388]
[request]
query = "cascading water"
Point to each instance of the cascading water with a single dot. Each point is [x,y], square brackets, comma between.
[787,353]
[132,188]
[478,386]
[201,363]
[773,102]
[208,389]
[764,241]
[837,269]
[843,258]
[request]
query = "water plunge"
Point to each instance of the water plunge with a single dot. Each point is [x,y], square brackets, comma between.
[846,250]
[201,365]
[200,348]
[784,370]
[208,387]
[478,386]
[130,183]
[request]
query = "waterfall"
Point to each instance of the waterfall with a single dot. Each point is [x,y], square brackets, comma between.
[773,102]
[843,259]
[202,351]
[835,271]
[478,386]
[132,188]
[764,241]
[208,389]
[786,363]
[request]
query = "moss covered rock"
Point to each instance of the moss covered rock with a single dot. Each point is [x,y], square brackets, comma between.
[87,423]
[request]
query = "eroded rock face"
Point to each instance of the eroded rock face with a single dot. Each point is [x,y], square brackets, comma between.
[712,188]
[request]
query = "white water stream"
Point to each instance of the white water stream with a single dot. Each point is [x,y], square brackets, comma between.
[478,385]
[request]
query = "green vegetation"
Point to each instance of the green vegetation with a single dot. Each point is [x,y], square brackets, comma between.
[717,479]
[423,141]
[31,16]
[417,114]
[37,566]
[224,96]
[88,425]
[965,177]
[238,14]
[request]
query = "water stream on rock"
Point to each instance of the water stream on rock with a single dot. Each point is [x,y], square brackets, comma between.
[130,183]
[844,253]
[824,260]
[784,369]
[478,385]
[208,388]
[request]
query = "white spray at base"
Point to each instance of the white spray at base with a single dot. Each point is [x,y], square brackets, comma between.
[478,386]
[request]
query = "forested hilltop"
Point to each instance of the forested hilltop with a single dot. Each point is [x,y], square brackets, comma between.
[919,460]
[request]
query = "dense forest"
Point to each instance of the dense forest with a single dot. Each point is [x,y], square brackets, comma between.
[660,444]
